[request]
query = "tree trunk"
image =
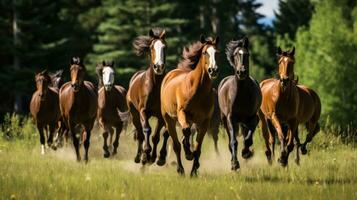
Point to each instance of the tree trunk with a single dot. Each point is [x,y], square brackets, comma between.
[16,61]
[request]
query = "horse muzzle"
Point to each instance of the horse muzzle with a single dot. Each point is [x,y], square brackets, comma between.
[108,87]
[75,87]
[159,69]
[213,72]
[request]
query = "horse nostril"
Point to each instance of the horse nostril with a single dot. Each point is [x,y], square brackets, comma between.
[210,70]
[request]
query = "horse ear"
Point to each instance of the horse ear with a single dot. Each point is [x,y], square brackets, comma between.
[44,72]
[163,34]
[278,51]
[246,42]
[216,40]
[112,63]
[202,39]
[151,33]
[292,52]
[103,63]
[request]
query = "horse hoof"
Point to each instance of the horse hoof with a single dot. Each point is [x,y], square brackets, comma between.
[303,150]
[235,166]
[161,161]
[189,156]
[106,155]
[137,159]
[283,162]
[246,154]
[194,173]
[181,171]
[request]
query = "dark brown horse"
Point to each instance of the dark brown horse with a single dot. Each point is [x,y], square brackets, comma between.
[187,97]
[239,99]
[78,103]
[143,96]
[286,105]
[44,108]
[112,106]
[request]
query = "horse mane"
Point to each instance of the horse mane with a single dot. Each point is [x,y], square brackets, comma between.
[99,72]
[191,55]
[142,43]
[54,76]
[231,47]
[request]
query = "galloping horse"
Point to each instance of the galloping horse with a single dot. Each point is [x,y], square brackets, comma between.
[285,105]
[239,99]
[143,96]
[44,108]
[187,97]
[111,105]
[78,103]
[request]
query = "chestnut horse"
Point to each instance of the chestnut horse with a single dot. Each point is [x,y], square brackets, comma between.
[286,105]
[187,97]
[111,106]
[44,108]
[143,96]
[78,103]
[239,98]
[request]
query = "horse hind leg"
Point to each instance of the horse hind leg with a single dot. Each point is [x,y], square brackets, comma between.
[313,129]
[118,130]
[156,140]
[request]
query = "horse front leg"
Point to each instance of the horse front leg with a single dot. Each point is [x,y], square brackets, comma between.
[40,128]
[291,137]
[75,139]
[186,130]
[283,155]
[298,144]
[232,128]
[312,130]
[163,152]
[144,119]
[202,129]
[88,127]
[248,133]
[118,130]
[52,128]
[105,135]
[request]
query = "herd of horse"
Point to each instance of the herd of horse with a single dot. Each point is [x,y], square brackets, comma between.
[183,96]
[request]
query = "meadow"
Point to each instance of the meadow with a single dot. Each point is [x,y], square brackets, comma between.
[327,172]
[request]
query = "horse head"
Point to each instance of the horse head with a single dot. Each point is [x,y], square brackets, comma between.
[77,73]
[43,80]
[286,62]
[106,74]
[209,54]
[237,52]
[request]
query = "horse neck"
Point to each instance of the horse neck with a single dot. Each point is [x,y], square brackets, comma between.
[201,79]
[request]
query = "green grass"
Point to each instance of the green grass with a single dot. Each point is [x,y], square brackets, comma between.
[328,172]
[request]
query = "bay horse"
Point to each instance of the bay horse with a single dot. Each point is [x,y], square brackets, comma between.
[187,97]
[286,105]
[112,106]
[239,98]
[44,108]
[78,104]
[143,96]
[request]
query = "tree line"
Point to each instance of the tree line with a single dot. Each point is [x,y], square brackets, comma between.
[38,34]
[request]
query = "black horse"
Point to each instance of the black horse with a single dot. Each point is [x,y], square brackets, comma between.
[239,98]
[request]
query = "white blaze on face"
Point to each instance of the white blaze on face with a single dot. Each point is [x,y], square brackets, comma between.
[212,59]
[159,52]
[108,76]
[240,52]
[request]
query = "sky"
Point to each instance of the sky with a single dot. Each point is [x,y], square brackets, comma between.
[268,10]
